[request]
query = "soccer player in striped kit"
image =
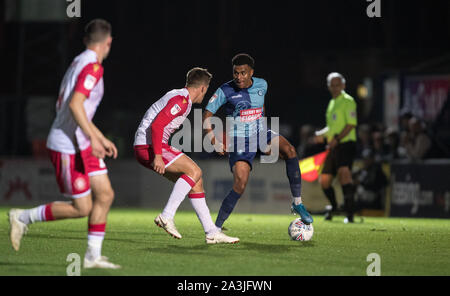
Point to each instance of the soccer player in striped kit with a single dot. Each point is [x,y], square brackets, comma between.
[153,151]
[77,149]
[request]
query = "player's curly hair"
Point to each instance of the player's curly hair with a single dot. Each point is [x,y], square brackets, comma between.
[243,59]
[96,31]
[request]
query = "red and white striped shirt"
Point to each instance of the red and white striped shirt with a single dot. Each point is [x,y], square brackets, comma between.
[163,118]
[84,75]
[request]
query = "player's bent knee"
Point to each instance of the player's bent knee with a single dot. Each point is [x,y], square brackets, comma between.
[111,195]
[108,196]
[195,173]
[240,185]
[104,198]
[82,207]
[198,187]
[239,188]
[84,211]
[198,173]
[290,152]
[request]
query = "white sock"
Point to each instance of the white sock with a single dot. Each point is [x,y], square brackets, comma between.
[182,187]
[297,200]
[198,202]
[33,215]
[94,249]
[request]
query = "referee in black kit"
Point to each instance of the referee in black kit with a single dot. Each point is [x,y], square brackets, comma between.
[340,135]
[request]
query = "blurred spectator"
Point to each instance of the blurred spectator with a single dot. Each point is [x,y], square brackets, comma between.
[404,121]
[364,141]
[371,183]
[441,132]
[380,150]
[392,140]
[416,141]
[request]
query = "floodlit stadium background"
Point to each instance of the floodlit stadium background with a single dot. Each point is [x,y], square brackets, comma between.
[396,66]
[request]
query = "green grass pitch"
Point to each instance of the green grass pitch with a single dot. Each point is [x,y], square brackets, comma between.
[405,246]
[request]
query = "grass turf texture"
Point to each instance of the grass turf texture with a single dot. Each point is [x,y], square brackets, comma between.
[406,246]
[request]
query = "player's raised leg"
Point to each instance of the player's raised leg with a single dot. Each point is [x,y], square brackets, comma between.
[19,219]
[241,173]
[103,196]
[288,153]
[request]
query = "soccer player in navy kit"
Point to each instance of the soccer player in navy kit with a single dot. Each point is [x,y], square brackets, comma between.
[243,98]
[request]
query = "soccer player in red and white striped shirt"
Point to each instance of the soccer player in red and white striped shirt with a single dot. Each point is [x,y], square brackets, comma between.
[77,149]
[153,151]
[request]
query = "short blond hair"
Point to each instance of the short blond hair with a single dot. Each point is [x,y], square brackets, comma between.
[197,77]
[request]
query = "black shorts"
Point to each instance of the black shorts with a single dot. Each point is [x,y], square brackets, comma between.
[341,156]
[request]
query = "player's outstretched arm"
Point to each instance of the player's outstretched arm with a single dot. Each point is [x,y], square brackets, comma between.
[79,114]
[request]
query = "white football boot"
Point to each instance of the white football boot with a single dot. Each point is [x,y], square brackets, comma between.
[221,238]
[17,228]
[168,225]
[100,262]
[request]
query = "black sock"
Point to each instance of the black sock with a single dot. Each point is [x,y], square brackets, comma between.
[329,192]
[349,199]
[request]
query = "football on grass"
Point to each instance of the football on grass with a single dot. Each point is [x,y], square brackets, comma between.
[300,231]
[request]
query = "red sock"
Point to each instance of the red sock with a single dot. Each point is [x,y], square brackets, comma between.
[48,215]
[96,229]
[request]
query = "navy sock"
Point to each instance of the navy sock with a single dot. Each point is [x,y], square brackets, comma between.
[227,207]
[294,176]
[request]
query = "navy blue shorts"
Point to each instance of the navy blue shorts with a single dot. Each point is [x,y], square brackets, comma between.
[245,149]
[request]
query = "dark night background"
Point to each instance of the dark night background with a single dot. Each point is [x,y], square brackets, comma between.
[295,45]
